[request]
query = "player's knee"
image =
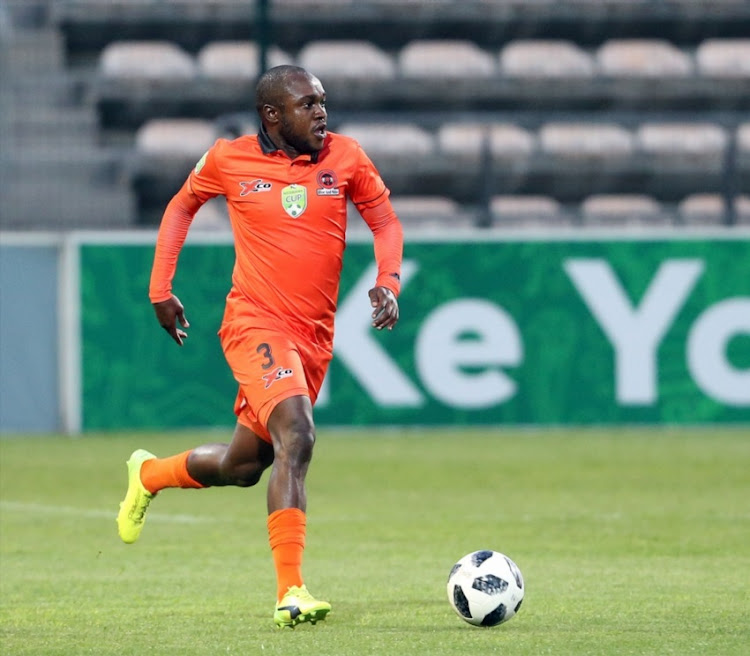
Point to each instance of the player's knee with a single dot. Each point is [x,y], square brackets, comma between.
[243,475]
[249,476]
[298,441]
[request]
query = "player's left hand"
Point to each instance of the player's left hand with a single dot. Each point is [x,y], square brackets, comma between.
[385,308]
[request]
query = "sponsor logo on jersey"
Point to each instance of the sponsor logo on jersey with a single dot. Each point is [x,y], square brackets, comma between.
[254,186]
[294,200]
[277,374]
[327,182]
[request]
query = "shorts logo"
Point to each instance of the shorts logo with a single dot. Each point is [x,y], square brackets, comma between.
[254,186]
[277,374]
[327,182]
[294,200]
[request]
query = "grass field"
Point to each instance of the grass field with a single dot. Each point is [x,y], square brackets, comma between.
[630,541]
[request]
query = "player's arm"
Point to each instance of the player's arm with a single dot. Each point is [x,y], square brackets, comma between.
[173,231]
[204,182]
[388,238]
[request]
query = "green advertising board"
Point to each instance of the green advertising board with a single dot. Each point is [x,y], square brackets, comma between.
[566,332]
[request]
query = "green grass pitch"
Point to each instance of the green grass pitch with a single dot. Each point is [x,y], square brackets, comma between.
[631,541]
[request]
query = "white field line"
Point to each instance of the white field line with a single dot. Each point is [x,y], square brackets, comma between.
[90,513]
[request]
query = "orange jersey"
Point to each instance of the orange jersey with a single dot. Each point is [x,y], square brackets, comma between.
[289,223]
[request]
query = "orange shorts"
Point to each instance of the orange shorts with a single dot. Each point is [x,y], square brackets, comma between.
[270,365]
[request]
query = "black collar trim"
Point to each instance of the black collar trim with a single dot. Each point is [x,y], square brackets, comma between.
[268,146]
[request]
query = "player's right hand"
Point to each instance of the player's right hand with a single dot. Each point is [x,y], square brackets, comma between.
[168,313]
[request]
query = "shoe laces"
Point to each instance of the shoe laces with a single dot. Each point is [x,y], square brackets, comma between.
[300,592]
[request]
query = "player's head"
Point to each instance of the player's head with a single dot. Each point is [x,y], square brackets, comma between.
[291,105]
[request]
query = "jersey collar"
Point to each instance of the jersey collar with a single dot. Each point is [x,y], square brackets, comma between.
[268,146]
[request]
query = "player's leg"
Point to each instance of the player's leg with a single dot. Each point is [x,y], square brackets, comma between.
[293,433]
[274,399]
[240,463]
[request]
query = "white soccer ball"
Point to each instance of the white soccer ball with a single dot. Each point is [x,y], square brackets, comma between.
[485,588]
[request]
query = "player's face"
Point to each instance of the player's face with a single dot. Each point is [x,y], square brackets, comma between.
[303,115]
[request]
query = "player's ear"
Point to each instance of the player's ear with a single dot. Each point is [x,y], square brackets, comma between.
[270,113]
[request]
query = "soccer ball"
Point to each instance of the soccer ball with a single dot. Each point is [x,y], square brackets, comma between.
[485,588]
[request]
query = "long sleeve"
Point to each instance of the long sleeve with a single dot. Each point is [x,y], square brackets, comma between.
[388,237]
[173,231]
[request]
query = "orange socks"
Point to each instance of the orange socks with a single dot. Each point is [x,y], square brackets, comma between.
[159,473]
[286,535]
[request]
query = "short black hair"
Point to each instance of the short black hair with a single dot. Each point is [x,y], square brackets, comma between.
[272,85]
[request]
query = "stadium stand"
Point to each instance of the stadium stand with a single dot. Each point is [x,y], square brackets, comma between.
[654,58]
[397,141]
[723,58]
[742,209]
[701,209]
[464,143]
[700,146]
[528,211]
[146,61]
[233,60]
[431,212]
[570,143]
[351,60]
[612,210]
[53,171]
[444,59]
[531,58]
[542,114]
[180,138]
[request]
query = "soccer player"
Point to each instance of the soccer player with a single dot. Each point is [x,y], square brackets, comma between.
[286,190]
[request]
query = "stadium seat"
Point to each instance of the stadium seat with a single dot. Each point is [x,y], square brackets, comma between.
[146,60]
[742,209]
[710,209]
[175,138]
[231,60]
[444,59]
[418,212]
[534,58]
[401,140]
[423,211]
[331,5]
[701,210]
[642,58]
[527,212]
[581,142]
[347,59]
[684,145]
[724,58]
[436,206]
[463,142]
[602,210]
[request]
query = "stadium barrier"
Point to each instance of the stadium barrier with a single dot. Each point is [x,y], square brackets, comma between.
[586,328]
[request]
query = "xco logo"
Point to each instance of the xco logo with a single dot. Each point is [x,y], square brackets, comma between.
[254,186]
[276,374]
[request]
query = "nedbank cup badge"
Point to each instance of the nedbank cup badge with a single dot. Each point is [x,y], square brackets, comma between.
[294,200]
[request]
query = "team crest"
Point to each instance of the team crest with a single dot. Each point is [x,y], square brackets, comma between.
[327,182]
[294,200]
